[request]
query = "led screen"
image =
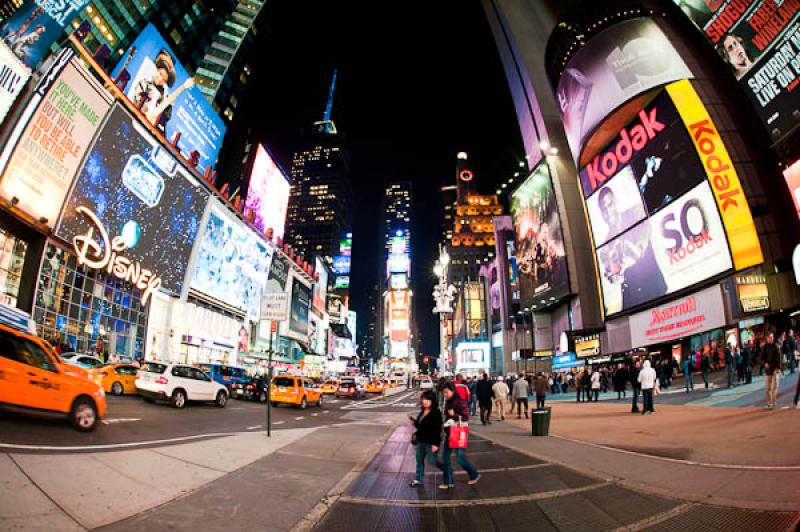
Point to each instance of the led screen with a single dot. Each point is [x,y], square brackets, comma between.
[341,264]
[540,253]
[398,281]
[268,194]
[342,282]
[398,263]
[139,191]
[320,286]
[51,148]
[301,303]
[232,262]
[759,40]
[681,245]
[615,207]
[175,105]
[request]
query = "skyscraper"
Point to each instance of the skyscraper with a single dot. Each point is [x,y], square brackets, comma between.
[397,211]
[320,205]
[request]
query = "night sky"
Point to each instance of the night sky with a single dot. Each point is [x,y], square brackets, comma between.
[416,85]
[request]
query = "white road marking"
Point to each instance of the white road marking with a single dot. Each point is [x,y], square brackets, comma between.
[299,418]
[326,411]
[113,445]
[370,403]
[278,422]
[113,421]
[254,427]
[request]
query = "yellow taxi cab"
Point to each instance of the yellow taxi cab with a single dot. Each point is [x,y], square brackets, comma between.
[295,390]
[376,386]
[329,386]
[116,379]
[33,379]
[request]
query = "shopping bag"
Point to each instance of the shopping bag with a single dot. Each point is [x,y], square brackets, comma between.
[458,436]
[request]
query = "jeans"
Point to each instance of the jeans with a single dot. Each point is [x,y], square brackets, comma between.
[500,407]
[486,412]
[447,465]
[423,450]
[473,403]
[595,394]
[522,401]
[771,385]
[689,378]
[748,375]
[647,400]
[540,401]
[705,378]
[731,370]
[635,402]
[579,393]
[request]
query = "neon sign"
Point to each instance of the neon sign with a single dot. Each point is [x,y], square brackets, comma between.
[104,254]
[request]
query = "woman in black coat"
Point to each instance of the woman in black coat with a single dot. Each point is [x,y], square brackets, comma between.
[428,434]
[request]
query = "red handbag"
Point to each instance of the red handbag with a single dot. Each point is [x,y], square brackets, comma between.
[459,433]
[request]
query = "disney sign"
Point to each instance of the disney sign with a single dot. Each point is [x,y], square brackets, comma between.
[104,254]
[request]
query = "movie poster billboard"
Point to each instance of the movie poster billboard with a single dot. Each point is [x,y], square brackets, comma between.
[53,143]
[760,41]
[232,262]
[539,240]
[495,295]
[13,76]
[278,274]
[678,247]
[615,207]
[36,25]
[615,65]
[169,99]
[138,190]
[298,310]
[268,194]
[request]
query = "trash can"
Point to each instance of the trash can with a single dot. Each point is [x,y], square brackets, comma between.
[540,421]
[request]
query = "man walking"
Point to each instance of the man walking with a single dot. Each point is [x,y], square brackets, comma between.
[540,387]
[636,386]
[472,385]
[705,367]
[485,396]
[519,395]
[647,380]
[730,364]
[500,389]
[772,367]
[789,346]
[688,371]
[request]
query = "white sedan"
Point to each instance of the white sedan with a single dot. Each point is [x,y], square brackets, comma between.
[425,383]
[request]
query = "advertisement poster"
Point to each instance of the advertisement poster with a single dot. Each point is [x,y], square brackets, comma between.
[171,101]
[341,264]
[540,252]
[683,317]
[320,286]
[232,262]
[138,190]
[753,292]
[792,176]
[36,25]
[54,142]
[615,65]
[278,274]
[268,194]
[615,207]
[728,192]
[298,311]
[495,295]
[759,40]
[13,76]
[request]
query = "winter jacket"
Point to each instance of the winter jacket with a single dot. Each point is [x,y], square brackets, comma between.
[596,380]
[771,356]
[429,428]
[458,406]
[647,376]
[500,390]
[521,390]
[540,385]
[484,391]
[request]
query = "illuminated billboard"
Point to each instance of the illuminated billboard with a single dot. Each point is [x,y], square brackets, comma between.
[398,281]
[320,286]
[398,263]
[298,311]
[342,282]
[14,74]
[139,191]
[341,264]
[36,25]
[760,41]
[232,262]
[268,194]
[614,66]
[169,99]
[540,255]
[54,141]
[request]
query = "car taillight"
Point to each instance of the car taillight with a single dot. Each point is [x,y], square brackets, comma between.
[162,380]
[249,386]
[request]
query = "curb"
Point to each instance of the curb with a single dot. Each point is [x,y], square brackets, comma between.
[315,515]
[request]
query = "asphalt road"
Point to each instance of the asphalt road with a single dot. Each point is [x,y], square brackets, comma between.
[131,422]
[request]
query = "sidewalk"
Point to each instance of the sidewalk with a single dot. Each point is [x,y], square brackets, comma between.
[518,491]
[241,481]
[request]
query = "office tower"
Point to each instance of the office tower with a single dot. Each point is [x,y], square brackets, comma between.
[397,211]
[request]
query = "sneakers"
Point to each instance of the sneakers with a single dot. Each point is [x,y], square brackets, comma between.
[445,487]
[474,480]
[414,483]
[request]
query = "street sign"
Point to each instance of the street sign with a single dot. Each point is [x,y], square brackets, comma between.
[275,307]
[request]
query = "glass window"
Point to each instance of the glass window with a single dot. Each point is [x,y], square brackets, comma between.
[199,375]
[154,367]
[182,371]
[126,370]
[284,381]
[31,354]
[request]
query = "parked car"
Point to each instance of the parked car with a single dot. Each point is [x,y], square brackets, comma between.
[253,390]
[225,375]
[116,379]
[82,360]
[34,380]
[295,390]
[178,384]
[349,388]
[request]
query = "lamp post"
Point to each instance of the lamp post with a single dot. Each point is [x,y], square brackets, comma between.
[443,295]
